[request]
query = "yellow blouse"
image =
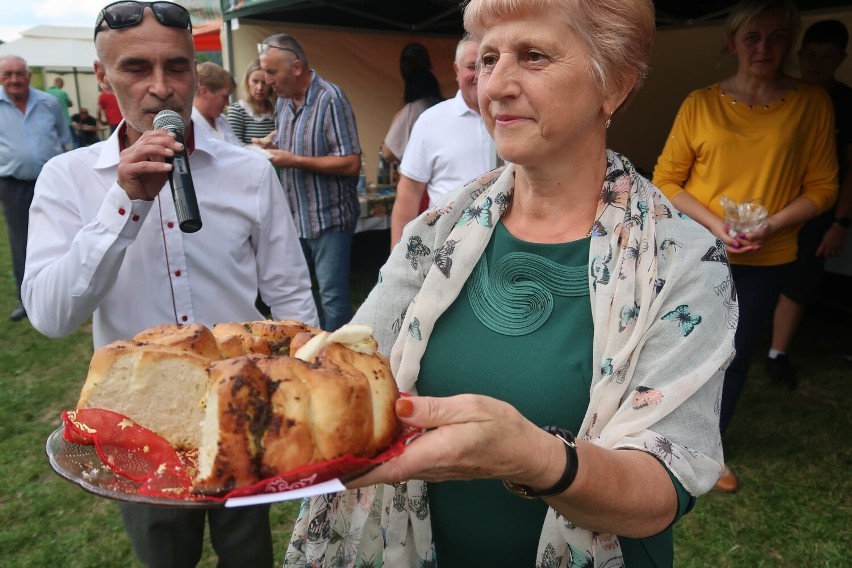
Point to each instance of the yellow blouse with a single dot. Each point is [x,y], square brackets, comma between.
[768,153]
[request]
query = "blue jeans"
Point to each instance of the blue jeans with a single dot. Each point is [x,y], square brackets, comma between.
[757,289]
[328,258]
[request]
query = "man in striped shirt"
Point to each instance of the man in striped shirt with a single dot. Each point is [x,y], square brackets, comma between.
[319,156]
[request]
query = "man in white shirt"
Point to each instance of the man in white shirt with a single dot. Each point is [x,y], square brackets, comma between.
[448,147]
[109,247]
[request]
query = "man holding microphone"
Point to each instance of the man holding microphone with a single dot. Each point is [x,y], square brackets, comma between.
[110,245]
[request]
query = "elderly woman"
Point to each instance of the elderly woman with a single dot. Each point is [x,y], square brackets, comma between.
[215,85]
[557,322]
[756,135]
[253,116]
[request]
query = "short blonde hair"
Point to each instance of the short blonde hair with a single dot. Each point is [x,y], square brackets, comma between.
[619,34]
[747,10]
[214,77]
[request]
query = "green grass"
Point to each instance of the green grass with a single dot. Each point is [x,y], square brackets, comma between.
[790,449]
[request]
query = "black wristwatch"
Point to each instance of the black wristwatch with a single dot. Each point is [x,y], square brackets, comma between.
[843,221]
[567,476]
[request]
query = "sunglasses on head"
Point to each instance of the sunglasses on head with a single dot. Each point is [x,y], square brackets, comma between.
[263,49]
[129,13]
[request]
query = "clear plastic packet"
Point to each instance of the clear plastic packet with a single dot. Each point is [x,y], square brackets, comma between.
[745,217]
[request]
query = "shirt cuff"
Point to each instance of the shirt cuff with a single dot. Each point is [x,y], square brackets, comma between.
[122,215]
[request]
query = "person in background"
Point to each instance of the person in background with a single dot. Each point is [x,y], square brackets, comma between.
[421,91]
[782,156]
[559,295]
[64,100]
[822,52]
[33,129]
[253,116]
[109,113]
[215,86]
[86,128]
[448,146]
[110,247]
[318,152]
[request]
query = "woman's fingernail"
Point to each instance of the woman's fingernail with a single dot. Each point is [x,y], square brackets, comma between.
[741,235]
[404,408]
[735,245]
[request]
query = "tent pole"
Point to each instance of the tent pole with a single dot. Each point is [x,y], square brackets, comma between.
[77,89]
[229,38]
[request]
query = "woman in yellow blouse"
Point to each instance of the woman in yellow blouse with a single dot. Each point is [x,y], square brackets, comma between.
[756,135]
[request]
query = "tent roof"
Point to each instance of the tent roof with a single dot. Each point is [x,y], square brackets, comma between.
[444,16]
[56,47]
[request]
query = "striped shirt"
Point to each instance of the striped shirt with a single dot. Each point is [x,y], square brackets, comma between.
[247,125]
[323,126]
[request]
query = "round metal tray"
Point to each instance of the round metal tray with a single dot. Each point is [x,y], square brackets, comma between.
[81,465]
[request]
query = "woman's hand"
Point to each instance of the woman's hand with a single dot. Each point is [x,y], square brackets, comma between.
[470,437]
[735,244]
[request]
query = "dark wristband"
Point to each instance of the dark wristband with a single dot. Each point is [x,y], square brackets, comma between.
[567,476]
[843,221]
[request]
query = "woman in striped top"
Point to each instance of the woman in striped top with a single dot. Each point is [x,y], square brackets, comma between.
[253,116]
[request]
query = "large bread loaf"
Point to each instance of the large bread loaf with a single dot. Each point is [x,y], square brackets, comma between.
[160,387]
[250,409]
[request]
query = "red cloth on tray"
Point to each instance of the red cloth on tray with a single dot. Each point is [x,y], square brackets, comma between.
[137,453]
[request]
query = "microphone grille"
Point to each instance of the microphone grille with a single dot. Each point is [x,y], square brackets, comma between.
[169,120]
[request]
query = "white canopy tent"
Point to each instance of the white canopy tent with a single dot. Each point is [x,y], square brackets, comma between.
[59,50]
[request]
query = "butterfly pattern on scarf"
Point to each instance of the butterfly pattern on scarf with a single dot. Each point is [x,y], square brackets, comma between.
[396,326]
[432,216]
[503,200]
[728,291]
[444,257]
[716,253]
[669,245]
[416,249]
[477,213]
[686,320]
[628,316]
[663,449]
[414,329]
[598,269]
[616,189]
[644,396]
[632,252]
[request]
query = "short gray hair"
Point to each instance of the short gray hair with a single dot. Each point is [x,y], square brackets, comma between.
[15,58]
[290,43]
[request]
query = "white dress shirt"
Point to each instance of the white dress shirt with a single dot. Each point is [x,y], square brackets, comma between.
[223,130]
[448,147]
[94,251]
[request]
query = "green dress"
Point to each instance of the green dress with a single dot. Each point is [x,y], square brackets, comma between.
[530,302]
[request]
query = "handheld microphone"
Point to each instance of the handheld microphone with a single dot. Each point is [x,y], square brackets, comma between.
[180,178]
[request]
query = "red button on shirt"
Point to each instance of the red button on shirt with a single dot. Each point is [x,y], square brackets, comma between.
[170,225]
[135,217]
[184,318]
[121,211]
[177,272]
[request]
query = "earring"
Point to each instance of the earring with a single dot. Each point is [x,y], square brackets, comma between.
[608,121]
